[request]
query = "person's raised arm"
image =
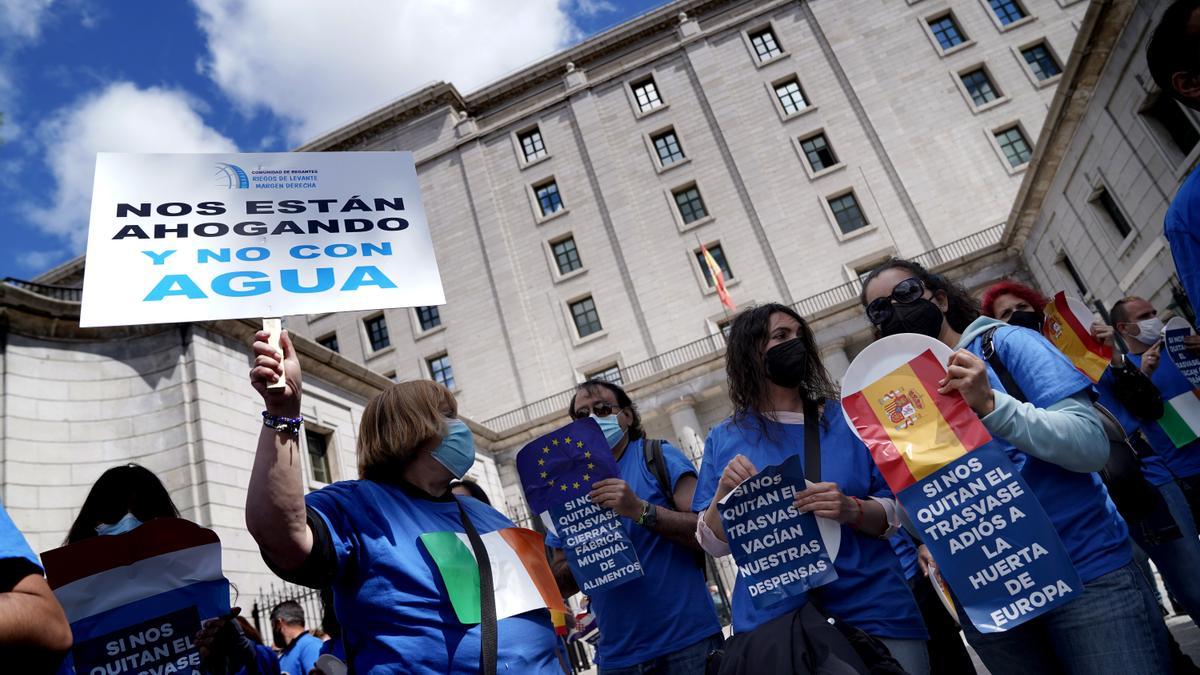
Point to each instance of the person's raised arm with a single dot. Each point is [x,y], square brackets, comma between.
[738,470]
[275,513]
[31,618]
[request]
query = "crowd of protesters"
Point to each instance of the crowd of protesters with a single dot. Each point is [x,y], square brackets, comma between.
[1117,491]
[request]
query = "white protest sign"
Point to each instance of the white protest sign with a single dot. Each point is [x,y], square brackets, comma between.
[197,237]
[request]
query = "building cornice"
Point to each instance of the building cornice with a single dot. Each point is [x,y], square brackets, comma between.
[1098,35]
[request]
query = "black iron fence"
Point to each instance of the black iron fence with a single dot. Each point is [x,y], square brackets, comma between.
[268,598]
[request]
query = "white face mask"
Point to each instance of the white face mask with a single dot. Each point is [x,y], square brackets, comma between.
[1149,330]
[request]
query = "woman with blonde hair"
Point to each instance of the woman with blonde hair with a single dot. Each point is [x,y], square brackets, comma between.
[361,536]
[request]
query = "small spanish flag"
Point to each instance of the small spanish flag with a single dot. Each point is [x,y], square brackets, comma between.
[911,429]
[718,277]
[1063,328]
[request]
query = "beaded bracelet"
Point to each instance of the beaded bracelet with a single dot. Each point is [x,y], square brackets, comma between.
[282,424]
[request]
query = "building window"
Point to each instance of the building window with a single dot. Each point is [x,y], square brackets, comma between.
[318,455]
[440,370]
[1007,11]
[666,145]
[377,332]
[646,95]
[531,144]
[429,317]
[391,375]
[847,212]
[691,206]
[724,325]
[610,374]
[819,152]
[791,96]
[1170,123]
[1064,264]
[549,200]
[1041,61]
[1113,212]
[329,342]
[946,31]
[566,256]
[1012,142]
[979,86]
[766,47]
[587,321]
[718,255]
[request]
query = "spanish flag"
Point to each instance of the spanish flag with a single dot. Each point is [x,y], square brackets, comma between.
[911,429]
[718,277]
[1062,327]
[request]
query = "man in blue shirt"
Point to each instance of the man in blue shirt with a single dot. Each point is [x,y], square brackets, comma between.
[663,622]
[1175,65]
[300,648]
[33,628]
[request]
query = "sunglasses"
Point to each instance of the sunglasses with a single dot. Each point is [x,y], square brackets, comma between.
[600,408]
[906,292]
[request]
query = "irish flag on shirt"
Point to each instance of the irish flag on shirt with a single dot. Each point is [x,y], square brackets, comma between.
[520,574]
[1181,418]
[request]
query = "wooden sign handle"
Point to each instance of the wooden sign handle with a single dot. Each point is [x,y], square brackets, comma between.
[275,327]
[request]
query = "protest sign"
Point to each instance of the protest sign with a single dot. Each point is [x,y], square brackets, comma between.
[1068,326]
[994,544]
[195,237]
[557,472]
[135,601]
[780,552]
[1173,342]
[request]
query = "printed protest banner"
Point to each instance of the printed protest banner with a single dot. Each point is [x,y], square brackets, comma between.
[136,600]
[1181,397]
[780,552]
[194,237]
[1067,325]
[557,471]
[993,543]
[1173,341]
[521,576]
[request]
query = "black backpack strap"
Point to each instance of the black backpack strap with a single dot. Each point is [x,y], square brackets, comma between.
[652,449]
[487,597]
[988,351]
[812,442]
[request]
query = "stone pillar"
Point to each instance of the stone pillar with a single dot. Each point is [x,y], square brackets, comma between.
[833,355]
[687,427]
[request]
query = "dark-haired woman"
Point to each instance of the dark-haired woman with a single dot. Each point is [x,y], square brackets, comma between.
[774,374]
[1056,441]
[120,500]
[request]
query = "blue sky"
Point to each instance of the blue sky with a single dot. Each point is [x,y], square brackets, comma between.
[82,76]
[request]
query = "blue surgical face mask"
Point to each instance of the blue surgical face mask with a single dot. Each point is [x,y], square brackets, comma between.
[457,449]
[122,526]
[611,427]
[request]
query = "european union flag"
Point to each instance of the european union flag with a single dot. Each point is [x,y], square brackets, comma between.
[563,464]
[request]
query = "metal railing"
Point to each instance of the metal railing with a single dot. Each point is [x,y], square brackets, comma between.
[65,293]
[712,344]
[268,598]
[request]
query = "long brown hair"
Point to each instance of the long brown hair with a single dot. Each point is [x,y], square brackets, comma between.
[398,422]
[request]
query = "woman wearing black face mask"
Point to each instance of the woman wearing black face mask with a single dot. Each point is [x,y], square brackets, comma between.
[775,377]
[1057,442]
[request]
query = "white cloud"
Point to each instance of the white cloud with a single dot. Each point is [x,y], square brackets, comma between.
[40,261]
[591,8]
[119,118]
[23,18]
[321,65]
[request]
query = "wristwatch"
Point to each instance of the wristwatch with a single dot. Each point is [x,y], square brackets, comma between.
[649,517]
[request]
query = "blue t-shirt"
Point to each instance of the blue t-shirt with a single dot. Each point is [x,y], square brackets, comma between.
[1182,227]
[265,663]
[1185,461]
[1153,467]
[907,553]
[392,604]
[12,542]
[669,607]
[870,593]
[1086,520]
[300,656]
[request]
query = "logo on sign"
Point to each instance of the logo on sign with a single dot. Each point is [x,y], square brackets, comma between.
[232,177]
[902,407]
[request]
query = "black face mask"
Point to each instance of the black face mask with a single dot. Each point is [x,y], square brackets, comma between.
[920,316]
[787,363]
[1031,320]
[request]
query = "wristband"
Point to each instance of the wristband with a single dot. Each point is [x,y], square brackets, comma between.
[290,425]
[862,513]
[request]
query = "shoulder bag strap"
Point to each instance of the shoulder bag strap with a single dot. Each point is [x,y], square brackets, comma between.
[988,351]
[487,597]
[812,442]
[652,449]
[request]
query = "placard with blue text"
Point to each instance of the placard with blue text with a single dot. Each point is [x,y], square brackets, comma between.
[197,237]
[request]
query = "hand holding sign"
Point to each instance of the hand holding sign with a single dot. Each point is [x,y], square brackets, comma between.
[271,366]
[966,374]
